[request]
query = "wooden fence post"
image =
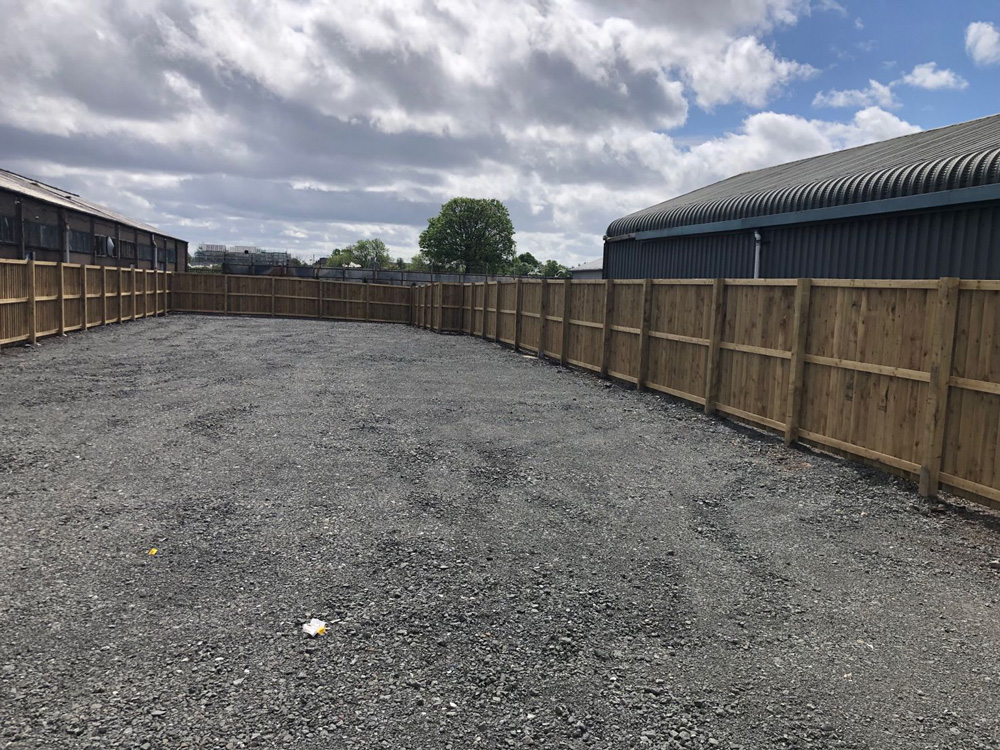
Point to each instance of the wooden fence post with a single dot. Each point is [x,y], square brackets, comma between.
[32,305]
[121,294]
[62,298]
[945,314]
[718,319]
[225,293]
[543,321]
[518,300]
[647,313]
[319,298]
[272,296]
[496,318]
[83,295]
[135,293]
[796,366]
[609,311]
[104,296]
[567,309]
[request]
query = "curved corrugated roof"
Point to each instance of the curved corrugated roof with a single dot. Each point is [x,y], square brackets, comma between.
[957,156]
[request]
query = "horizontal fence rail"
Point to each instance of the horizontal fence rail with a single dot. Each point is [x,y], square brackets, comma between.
[904,375]
[283,296]
[39,299]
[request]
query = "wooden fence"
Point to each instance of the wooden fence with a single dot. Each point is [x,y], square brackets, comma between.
[904,375]
[901,374]
[292,297]
[46,299]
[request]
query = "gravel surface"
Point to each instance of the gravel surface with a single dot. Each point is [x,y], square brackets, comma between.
[508,555]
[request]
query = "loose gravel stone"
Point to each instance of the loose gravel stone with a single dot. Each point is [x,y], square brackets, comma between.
[506,553]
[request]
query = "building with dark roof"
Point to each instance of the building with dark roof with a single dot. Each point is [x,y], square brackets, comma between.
[43,222]
[924,205]
[593,269]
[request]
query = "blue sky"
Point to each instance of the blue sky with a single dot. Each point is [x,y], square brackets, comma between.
[850,43]
[305,125]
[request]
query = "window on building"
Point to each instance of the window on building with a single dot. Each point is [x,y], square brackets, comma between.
[104,246]
[79,242]
[41,235]
[171,255]
[146,252]
[6,228]
[126,250]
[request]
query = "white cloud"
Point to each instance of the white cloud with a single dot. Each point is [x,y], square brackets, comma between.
[982,43]
[304,125]
[879,94]
[926,76]
[929,76]
[746,71]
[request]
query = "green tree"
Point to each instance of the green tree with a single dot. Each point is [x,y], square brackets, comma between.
[554,270]
[419,262]
[524,264]
[365,253]
[471,235]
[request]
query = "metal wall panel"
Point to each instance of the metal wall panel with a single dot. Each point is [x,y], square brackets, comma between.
[924,245]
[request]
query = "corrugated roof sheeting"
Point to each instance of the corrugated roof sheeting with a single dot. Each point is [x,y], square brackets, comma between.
[49,194]
[963,155]
[962,242]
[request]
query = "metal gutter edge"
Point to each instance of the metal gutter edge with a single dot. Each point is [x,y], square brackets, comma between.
[924,201]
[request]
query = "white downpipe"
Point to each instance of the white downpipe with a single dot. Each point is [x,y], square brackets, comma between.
[757,242]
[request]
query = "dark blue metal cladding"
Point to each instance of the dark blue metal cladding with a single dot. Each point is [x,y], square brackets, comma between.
[694,257]
[962,242]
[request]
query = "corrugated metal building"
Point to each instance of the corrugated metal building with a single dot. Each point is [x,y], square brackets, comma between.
[45,223]
[924,205]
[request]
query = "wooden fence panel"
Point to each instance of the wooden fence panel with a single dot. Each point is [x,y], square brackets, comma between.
[755,352]
[389,303]
[14,301]
[250,295]
[149,300]
[479,309]
[111,294]
[508,296]
[193,292]
[531,307]
[125,294]
[489,311]
[47,306]
[971,455]
[95,296]
[554,321]
[625,323]
[586,332]
[866,377]
[71,308]
[679,331]
[296,298]
[343,300]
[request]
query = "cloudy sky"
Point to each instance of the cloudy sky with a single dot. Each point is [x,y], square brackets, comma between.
[304,125]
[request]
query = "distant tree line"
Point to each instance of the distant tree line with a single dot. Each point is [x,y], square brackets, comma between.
[469,235]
